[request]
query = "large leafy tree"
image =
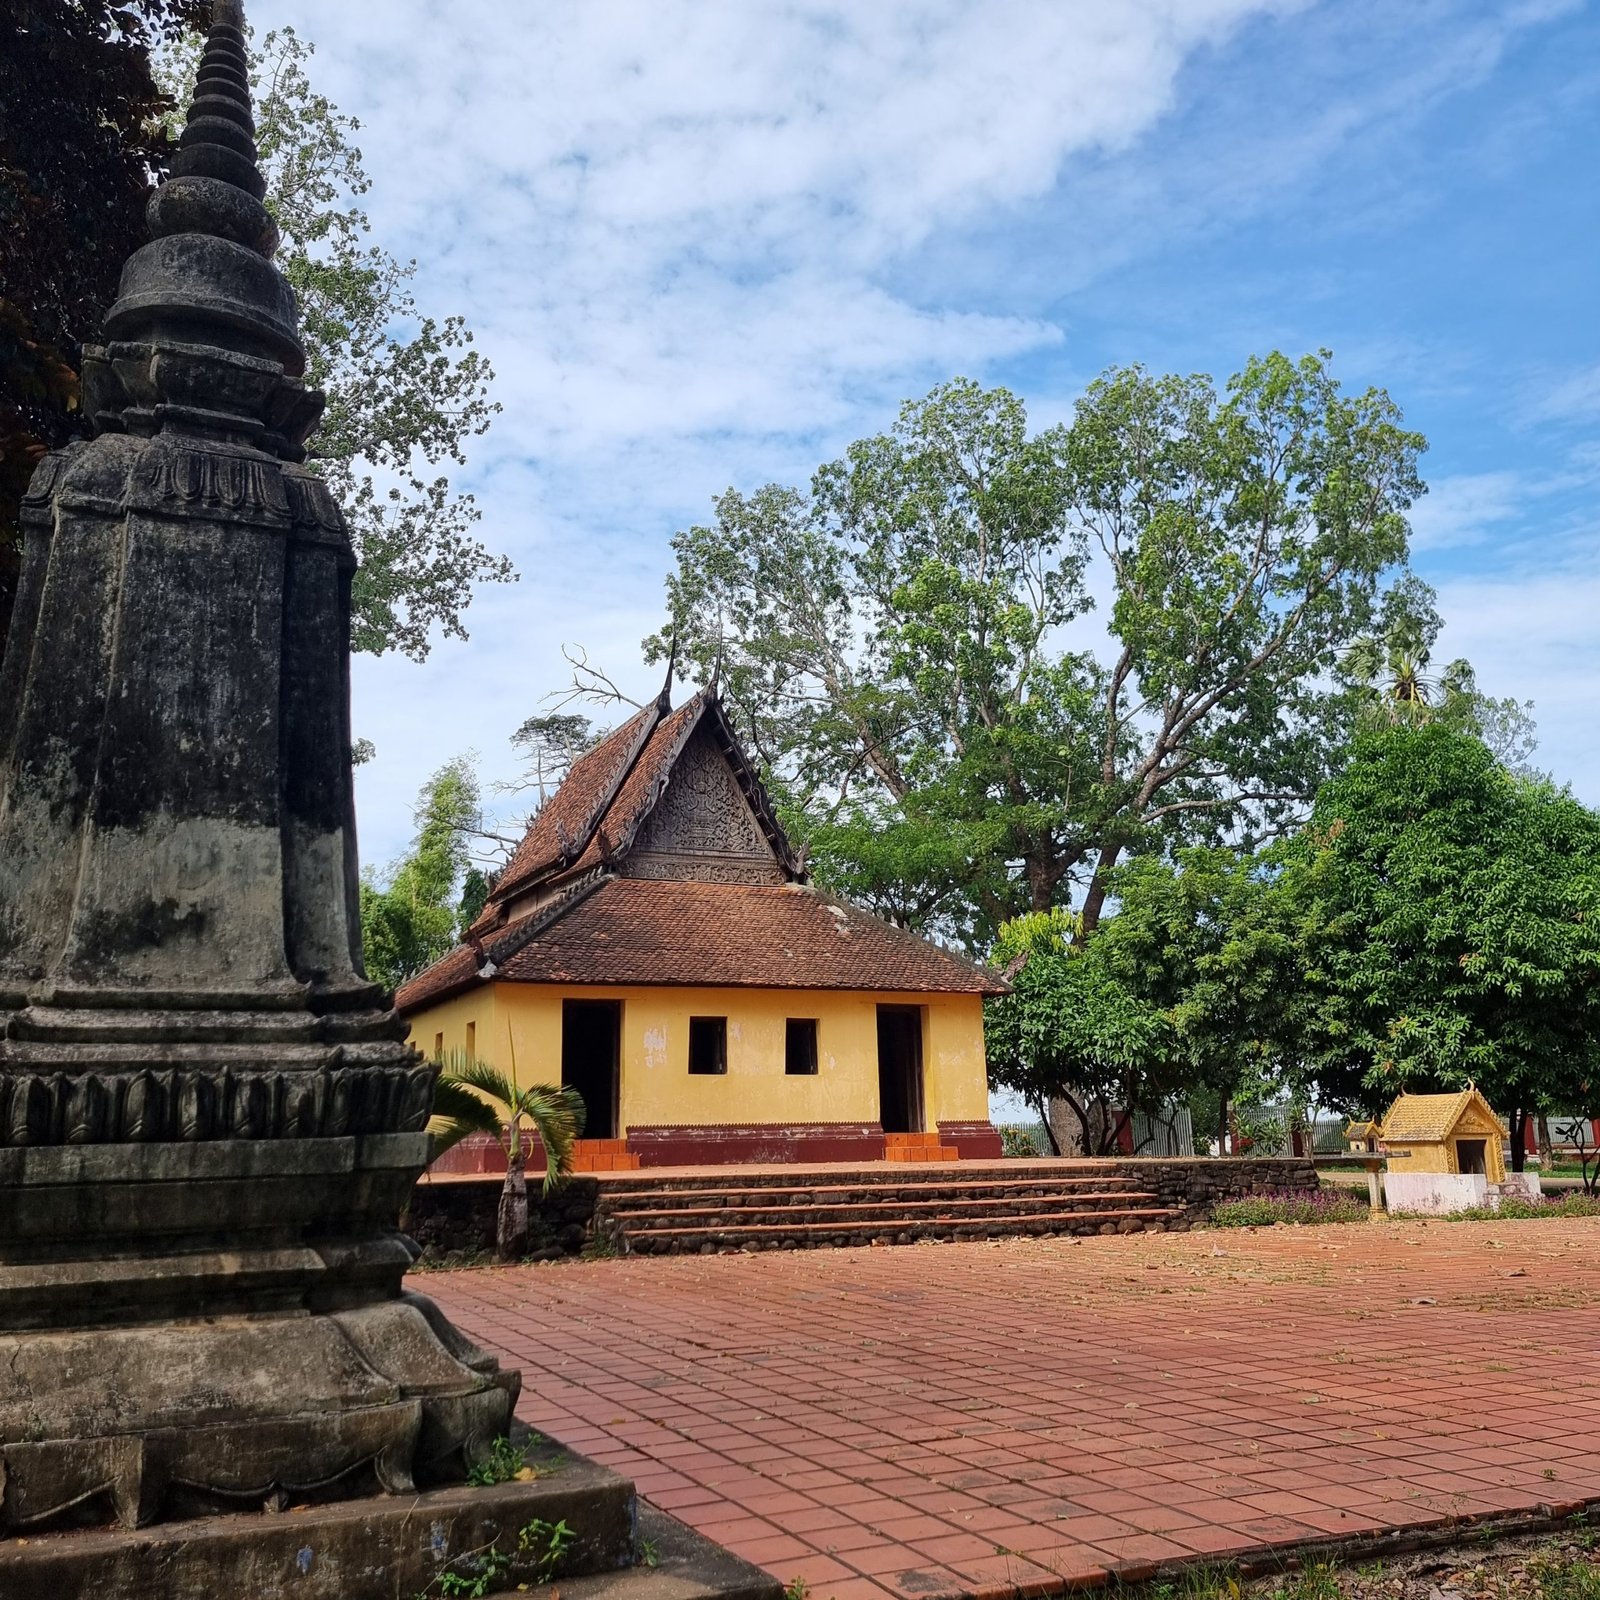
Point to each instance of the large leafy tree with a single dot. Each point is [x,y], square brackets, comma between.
[898,642]
[80,136]
[1449,915]
[406,390]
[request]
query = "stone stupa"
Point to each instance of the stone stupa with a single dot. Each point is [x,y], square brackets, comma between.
[210,1120]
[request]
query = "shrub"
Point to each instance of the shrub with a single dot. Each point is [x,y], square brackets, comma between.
[1017,1143]
[1290,1205]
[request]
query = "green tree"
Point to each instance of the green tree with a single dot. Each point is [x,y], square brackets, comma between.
[80,135]
[406,390]
[1449,915]
[1072,1033]
[414,914]
[473,1097]
[896,642]
[1207,940]
[1392,671]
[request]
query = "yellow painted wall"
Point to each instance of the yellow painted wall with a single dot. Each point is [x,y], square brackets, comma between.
[656,1084]
[1440,1156]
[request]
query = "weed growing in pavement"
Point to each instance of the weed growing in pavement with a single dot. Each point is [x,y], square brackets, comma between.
[541,1546]
[502,1464]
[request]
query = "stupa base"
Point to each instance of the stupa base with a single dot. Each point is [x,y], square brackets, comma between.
[368,1549]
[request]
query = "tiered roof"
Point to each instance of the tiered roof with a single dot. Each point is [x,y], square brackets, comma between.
[569,908]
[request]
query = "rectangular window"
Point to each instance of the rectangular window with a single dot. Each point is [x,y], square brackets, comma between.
[438,1047]
[472,1039]
[708,1046]
[800,1047]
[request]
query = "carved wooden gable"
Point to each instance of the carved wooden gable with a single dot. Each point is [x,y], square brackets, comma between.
[702,829]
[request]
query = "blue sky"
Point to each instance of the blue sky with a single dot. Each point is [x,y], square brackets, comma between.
[709,243]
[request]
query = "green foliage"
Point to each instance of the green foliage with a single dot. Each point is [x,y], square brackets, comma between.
[1449,917]
[1565,1578]
[80,135]
[541,1551]
[473,1097]
[1305,1206]
[1072,1031]
[504,1461]
[405,390]
[1017,1144]
[796,1589]
[892,641]
[1390,669]
[412,916]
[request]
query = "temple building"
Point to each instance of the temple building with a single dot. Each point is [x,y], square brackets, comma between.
[655,944]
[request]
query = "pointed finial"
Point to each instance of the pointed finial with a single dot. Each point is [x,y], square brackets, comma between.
[665,697]
[206,277]
[215,186]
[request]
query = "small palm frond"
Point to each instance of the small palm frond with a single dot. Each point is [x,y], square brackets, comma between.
[490,1082]
[471,1096]
[458,1112]
[557,1116]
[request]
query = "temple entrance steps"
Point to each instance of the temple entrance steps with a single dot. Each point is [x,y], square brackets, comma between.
[676,1213]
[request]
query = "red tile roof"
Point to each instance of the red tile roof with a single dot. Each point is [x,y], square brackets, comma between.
[641,932]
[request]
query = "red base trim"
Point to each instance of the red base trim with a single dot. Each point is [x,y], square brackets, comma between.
[977,1141]
[483,1155]
[756,1143]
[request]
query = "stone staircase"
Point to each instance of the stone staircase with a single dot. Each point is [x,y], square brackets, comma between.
[662,1213]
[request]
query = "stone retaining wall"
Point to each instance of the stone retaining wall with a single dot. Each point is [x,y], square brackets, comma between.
[454,1221]
[1195,1184]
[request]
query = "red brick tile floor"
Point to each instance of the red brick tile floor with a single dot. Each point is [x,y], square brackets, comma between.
[1022,1416]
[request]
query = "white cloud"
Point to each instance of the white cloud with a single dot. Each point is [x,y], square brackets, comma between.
[1464,510]
[708,241]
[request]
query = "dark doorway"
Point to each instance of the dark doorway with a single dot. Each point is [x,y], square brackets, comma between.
[1470,1156]
[900,1068]
[591,1054]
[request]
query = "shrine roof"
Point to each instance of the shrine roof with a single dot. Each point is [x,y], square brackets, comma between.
[1432,1118]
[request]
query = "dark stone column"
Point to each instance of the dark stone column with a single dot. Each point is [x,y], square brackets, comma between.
[209,1118]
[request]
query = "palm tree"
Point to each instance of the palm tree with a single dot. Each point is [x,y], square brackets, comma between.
[473,1097]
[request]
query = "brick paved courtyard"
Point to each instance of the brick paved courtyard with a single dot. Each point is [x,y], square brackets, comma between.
[981,1418]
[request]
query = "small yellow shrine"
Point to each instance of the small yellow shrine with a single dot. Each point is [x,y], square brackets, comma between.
[1362,1137]
[1446,1133]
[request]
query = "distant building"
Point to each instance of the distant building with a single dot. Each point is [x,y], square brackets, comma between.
[654,943]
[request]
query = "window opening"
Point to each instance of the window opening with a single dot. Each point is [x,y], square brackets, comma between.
[708,1046]
[800,1047]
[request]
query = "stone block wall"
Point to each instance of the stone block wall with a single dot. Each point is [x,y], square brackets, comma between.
[454,1221]
[1195,1184]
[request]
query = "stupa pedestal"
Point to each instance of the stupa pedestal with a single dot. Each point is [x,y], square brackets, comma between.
[210,1120]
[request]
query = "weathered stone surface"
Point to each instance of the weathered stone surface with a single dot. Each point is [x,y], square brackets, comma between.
[209,1117]
[367,1549]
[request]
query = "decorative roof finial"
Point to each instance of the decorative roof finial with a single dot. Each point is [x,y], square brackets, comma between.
[665,697]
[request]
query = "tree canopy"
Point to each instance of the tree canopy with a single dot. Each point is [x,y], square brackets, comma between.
[406,390]
[417,911]
[80,135]
[1448,911]
[903,644]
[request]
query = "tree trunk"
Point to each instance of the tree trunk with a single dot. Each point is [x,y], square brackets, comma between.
[511,1222]
[1099,887]
[1223,1123]
[1042,1106]
[1519,1139]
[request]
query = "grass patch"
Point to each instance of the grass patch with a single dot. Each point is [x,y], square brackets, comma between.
[1292,1206]
[1515,1209]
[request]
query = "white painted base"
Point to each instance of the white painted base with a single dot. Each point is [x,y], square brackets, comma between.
[1437,1193]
